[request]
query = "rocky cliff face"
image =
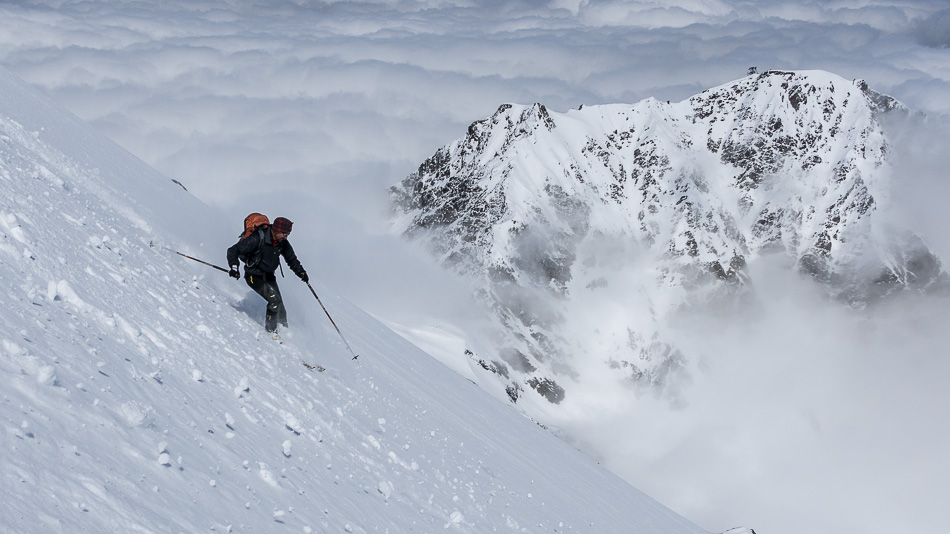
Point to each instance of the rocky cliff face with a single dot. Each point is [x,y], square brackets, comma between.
[585,231]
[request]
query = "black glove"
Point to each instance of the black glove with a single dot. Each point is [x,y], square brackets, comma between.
[233,273]
[303,276]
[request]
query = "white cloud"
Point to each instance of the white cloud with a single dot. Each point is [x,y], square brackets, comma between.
[934,30]
[814,418]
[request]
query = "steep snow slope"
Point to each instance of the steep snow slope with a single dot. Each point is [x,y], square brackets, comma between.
[587,231]
[137,394]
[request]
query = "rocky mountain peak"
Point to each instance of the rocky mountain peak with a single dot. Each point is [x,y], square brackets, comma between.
[544,209]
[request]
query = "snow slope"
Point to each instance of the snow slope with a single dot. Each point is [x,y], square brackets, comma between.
[137,393]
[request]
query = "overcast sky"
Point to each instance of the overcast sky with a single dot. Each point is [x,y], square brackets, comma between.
[311,109]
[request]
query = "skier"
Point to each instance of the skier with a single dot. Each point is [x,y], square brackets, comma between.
[260,251]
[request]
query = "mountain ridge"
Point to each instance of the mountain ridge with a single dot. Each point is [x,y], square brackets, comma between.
[543,208]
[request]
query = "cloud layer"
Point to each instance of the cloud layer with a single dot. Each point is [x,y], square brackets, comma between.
[305,93]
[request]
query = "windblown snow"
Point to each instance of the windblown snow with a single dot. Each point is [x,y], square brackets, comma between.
[137,393]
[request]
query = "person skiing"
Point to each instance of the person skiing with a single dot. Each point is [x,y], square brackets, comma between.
[260,250]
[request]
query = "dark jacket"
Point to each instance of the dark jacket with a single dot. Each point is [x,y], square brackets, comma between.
[261,255]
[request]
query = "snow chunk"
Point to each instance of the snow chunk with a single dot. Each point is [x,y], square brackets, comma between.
[455,519]
[386,489]
[266,475]
[62,291]
[242,387]
[46,376]
[292,423]
[12,349]
[8,221]
[135,414]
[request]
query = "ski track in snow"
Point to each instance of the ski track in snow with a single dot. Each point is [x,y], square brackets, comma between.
[136,397]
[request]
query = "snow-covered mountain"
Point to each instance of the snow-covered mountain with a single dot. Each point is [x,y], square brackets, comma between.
[137,393]
[586,232]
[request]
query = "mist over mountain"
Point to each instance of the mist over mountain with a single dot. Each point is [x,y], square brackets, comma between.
[587,233]
[744,288]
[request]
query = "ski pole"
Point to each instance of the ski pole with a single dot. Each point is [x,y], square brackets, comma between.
[355,355]
[151,244]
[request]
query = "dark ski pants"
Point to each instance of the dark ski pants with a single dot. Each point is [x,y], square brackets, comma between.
[265,285]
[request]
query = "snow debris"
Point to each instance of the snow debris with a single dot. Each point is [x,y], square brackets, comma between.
[385,488]
[46,375]
[292,423]
[266,474]
[455,518]
[135,413]
[242,387]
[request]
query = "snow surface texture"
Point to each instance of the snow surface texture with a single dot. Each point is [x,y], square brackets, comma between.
[634,213]
[137,393]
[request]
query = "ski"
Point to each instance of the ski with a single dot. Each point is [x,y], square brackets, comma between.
[318,368]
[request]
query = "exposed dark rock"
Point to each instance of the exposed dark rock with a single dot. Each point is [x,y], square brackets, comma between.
[549,389]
